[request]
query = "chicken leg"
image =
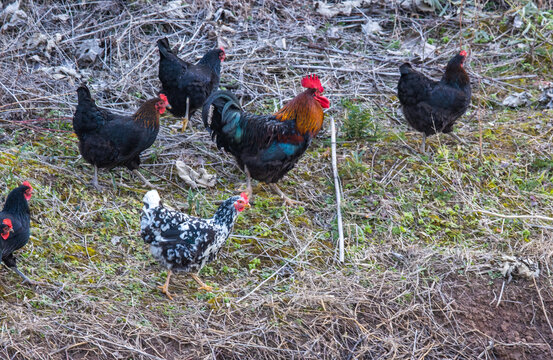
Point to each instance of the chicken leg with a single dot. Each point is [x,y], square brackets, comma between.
[165,288]
[185,120]
[249,190]
[203,286]
[94,182]
[286,199]
[423,144]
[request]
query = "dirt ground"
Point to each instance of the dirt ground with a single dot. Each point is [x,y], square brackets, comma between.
[516,329]
[425,234]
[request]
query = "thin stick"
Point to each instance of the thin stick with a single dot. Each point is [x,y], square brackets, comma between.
[480,152]
[461,24]
[338,190]
[543,305]
[540,217]
[500,294]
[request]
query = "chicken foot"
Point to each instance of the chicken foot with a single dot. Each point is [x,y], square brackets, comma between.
[165,288]
[456,137]
[203,286]
[25,278]
[144,180]
[286,199]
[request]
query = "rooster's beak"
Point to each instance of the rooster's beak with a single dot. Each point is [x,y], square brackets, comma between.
[168,106]
[247,205]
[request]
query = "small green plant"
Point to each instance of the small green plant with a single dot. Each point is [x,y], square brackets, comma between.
[359,123]
[254,264]
[395,45]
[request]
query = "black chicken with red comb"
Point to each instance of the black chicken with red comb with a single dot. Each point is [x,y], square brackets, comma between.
[186,85]
[15,226]
[434,106]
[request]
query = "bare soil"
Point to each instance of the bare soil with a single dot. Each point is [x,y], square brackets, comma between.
[517,329]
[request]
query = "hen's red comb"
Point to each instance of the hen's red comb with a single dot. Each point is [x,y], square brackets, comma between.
[164,98]
[26,183]
[7,222]
[244,196]
[463,53]
[312,82]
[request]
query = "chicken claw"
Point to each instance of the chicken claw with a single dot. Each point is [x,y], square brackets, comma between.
[144,180]
[203,286]
[456,137]
[165,288]
[284,197]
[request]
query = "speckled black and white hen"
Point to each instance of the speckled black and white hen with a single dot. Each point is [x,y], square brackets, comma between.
[186,243]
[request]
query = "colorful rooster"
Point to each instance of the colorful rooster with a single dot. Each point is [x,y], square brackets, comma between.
[266,147]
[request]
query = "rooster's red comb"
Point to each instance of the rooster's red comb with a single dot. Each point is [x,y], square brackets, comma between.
[26,183]
[312,82]
[463,53]
[7,222]
[244,196]
[164,98]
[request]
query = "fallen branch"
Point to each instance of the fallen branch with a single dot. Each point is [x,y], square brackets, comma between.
[540,217]
[543,305]
[338,190]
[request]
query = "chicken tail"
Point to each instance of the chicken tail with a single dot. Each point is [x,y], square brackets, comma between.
[148,216]
[164,47]
[151,200]
[83,94]
[87,116]
[221,112]
[405,69]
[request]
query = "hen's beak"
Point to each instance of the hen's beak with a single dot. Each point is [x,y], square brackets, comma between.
[247,205]
[11,230]
[168,106]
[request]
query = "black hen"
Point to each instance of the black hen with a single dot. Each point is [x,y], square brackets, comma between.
[107,140]
[433,106]
[183,82]
[15,229]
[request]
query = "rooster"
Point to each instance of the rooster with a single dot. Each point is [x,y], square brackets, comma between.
[266,147]
[107,140]
[433,106]
[15,225]
[187,86]
[186,243]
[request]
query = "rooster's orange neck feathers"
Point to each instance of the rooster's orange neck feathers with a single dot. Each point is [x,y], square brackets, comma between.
[307,112]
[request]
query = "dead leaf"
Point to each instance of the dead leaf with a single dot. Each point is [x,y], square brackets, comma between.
[200,178]
[518,99]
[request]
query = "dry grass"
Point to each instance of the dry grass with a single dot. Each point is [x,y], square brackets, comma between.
[414,226]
